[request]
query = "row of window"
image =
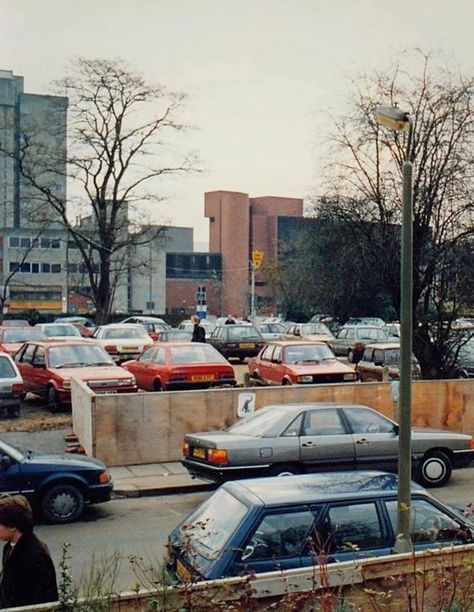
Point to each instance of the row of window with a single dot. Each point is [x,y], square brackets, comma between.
[26,242]
[35,267]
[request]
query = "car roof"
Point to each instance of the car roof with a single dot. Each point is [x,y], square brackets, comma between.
[60,342]
[126,325]
[311,488]
[298,342]
[383,345]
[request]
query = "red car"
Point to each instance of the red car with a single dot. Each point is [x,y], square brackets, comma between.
[48,366]
[181,365]
[296,363]
[13,338]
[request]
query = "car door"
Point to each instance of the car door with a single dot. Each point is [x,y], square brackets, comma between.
[264,364]
[325,441]
[348,530]
[375,438]
[141,368]
[40,373]
[24,359]
[10,474]
[365,366]
[275,374]
[339,344]
[275,542]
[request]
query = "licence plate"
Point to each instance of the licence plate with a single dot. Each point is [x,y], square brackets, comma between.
[103,391]
[129,348]
[183,573]
[6,389]
[202,377]
[247,345]
[200,453]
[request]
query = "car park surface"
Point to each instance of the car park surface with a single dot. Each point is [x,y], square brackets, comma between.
[240,341]
[351,340]
[296,363]
[123,341]
[48,366]
[295,438]
[12,388]
[58,486]
[260,525]
[181,365]
[378,356]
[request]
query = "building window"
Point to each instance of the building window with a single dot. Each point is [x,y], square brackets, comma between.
[14,242]
[25,267]
[13,266]
[56,268]
[45,268]
[45,243]
[55,243]
[25,242]
[35,268]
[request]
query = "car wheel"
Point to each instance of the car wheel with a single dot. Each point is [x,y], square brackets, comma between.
[462,374]
[62,503]
[53,400]
[350,356]
[434,469]
[157,386]
[285,382]
[283,470]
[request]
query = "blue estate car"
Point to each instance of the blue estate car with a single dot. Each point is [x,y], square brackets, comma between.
[58,486]
[266,524]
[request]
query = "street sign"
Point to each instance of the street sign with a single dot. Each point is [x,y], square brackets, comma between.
[246,404]
[257,257]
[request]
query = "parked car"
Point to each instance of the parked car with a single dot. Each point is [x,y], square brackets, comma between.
[465,360]
[187,325]
[376,357]
[15,323]
[294,438]
[54,331]
[272,331]
[86,321]
[351,340]
[393,329]
[58,486]
[174,335]
[239,341]
[263,525]
[11,387]
[153,325]
[123,341]
[181,365]
[297,363]
[13,338]
[366,321]
[48,366]
[317,332]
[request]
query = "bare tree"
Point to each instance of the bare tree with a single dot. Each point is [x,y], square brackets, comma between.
[363,183]
[118,125]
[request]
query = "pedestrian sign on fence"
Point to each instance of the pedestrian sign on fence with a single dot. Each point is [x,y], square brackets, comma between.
[257,257]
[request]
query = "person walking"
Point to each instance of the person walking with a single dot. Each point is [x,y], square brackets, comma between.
[230,320]
[28,576]
[199,333]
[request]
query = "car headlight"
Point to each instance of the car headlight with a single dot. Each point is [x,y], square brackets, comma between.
[307,378]
[127,381]
[105,477]
[66,384]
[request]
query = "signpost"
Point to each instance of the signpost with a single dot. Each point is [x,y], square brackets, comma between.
[201,306]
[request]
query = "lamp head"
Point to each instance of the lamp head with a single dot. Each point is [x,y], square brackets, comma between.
[394,118]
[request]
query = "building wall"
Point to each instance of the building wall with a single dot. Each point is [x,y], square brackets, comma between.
[181,296]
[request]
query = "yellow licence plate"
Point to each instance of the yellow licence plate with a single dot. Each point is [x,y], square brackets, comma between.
[183,573]
[200,453]
[202,377]
[247,345]
[129,348]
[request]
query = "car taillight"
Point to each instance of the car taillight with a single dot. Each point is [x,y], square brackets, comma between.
[358,346]
[18,388]
[186,450]
[218,456]
[111,348]
[105,477]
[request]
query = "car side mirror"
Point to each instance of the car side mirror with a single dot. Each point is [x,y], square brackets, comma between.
[5,462]
[396,429]
[248,552]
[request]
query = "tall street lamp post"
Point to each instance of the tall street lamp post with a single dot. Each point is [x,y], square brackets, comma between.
[396,119]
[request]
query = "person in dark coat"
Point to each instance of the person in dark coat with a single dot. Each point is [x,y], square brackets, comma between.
[230,320]
[28,576]
[199,333]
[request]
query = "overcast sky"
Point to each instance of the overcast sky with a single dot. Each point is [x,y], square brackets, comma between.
[259,73]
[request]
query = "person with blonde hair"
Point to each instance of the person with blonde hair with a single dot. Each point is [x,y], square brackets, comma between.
[28,576]
[199,333]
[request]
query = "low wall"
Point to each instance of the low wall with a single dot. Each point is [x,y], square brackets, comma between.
[141,428]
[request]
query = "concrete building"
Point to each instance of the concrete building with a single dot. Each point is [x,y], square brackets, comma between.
[238,226]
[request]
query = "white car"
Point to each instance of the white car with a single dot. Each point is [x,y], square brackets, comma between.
[53,331]
[11,387]
[123,341]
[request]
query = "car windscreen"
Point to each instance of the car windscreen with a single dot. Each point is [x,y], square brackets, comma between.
[61,330]
[198,353]
[6,368]
[207,530]
[371,333]
[118,333]
[240,333]
[258,423]
[302,353]
[78,355]
[315,328]
[23,334]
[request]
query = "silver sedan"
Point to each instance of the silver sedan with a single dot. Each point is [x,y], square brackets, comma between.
[296,438]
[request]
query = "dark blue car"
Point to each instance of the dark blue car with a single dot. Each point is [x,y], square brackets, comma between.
[58,486]
[266,524]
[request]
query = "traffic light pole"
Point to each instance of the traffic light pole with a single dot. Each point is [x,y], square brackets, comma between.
[252,290]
